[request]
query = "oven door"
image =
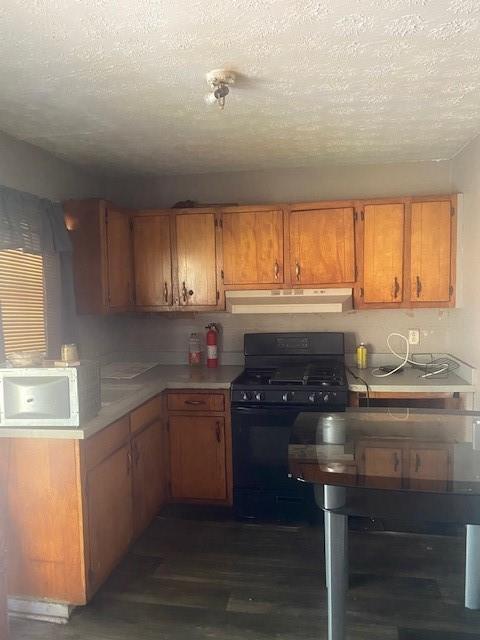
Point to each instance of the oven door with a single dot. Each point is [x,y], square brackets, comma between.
[261,482]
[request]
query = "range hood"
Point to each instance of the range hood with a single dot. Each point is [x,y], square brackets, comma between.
[289,301]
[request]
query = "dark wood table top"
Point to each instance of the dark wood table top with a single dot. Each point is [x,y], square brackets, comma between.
[406,450]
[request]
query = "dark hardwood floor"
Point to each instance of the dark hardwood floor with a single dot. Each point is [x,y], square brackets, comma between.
[216,579]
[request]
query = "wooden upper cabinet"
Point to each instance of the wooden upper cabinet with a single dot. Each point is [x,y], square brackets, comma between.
[152,260]
[102,256]
[253,247]
[383,251]
[322,246]
[119,259]
[196,248]
[431,252]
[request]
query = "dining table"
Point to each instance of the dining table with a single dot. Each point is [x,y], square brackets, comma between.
[395,465]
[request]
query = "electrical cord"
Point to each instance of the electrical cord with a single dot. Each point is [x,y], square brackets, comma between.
[377,372]
[441,367]
[367,388]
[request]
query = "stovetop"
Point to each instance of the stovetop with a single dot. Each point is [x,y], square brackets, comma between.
[312,384]
[303,369]
[329,373]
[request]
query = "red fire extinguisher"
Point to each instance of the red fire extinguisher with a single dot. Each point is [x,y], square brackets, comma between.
[212,345]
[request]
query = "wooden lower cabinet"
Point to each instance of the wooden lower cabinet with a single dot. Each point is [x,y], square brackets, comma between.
[383,462]
[429,467]
[198,457]
[149,475]
[200,446]
[110,513]
[4,449]
[75,506]
[424,466]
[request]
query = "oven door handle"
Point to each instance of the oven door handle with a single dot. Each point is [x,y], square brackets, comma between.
[265,410]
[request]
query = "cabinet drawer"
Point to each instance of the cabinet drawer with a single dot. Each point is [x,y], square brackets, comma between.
[145,414]
[196,402]
[106,441]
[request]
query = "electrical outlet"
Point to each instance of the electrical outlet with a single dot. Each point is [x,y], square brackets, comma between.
[413,336]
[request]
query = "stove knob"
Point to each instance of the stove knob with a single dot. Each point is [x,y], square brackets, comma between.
[259,395]
[246,395]
[312,397]
[288,396]
[326,397]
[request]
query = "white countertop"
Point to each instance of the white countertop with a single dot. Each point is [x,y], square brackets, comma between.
[409,380]
[123,396]
[126,395]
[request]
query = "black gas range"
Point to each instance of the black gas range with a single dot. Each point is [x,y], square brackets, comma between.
[285,374]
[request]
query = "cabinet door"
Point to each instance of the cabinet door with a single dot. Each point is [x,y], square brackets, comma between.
[381,464]
[119,259]
[110,517]
[198,457]
[149,474]
[3,538]
[322,246]
[431,245]
[196,259]
[383,461]
[383,246]
[253,247]
[152,260]
[429,469]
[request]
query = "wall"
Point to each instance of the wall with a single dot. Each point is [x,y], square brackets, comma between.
[158,336]
[28,168]
[285,185]
[466,179]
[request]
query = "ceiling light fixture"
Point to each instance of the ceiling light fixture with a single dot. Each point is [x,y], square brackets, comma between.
[219,81]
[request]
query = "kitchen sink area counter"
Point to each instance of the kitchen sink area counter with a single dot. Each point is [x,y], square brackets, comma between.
[428,387]
[408,380]
[119,397]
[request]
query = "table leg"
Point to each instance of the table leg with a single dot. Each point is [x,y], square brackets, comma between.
[472,567]
[336,561]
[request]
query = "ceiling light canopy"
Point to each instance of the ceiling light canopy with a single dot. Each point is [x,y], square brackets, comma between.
[219,81]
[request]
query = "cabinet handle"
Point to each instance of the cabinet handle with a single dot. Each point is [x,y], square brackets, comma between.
[396,287]
[217,432]
[297,270]
[184,292]
[419,286]
[129,462]
[418,462]
[165,292]
[276,270]
[396,461]
[195,402]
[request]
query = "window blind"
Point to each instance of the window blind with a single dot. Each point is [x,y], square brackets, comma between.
[22,300]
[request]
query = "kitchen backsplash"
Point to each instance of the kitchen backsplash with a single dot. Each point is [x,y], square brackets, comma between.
[164,337]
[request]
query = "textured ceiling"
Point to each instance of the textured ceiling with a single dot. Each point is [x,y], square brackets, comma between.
[118,85]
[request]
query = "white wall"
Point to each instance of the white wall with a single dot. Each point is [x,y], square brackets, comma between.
[466,179]
[285,185]
[29,168]
[151,336]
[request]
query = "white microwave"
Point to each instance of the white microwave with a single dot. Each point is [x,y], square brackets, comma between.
[49,396]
